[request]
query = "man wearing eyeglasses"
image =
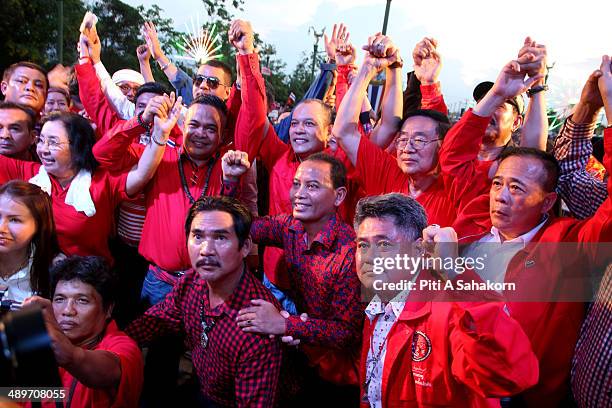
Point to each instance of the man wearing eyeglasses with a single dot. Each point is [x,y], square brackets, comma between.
[414,169]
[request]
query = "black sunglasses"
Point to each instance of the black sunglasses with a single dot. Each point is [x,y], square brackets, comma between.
[211,82]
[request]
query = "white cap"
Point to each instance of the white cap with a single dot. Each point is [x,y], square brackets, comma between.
[128,75]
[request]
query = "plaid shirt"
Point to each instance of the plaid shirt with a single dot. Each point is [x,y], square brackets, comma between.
[323,279]
[592,364]
[236,368]
[581,191]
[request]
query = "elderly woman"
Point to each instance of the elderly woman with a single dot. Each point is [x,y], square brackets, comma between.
[28,242]
[84,196]
[99,365]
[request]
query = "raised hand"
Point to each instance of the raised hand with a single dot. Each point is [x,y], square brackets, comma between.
[143,53]
[234,164]
[261,317]
[513,79]
[427,61]
[605,85]
[241,36]
[538,65]
[163,124]
[339,36]
[150,35]
[345,54]
[381,52]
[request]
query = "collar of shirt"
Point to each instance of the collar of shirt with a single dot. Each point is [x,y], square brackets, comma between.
[20,274]
[325,237]
[234,303]
[524,239]
[376,306]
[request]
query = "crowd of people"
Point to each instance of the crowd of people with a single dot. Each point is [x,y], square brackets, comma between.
[161,228]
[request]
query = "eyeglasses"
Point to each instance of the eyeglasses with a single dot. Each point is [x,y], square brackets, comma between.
[125,88]
[211,82]
[416,142]
[53,144]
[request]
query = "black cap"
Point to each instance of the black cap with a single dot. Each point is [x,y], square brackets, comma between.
[482,88]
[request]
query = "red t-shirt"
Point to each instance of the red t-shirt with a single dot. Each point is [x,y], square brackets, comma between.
[77,233]
[380,174]
[130,385]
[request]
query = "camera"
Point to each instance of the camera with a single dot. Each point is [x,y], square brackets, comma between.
[26,357]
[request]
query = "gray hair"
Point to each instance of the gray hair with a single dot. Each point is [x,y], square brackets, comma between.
[405,212]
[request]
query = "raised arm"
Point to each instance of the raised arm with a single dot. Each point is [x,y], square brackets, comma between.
[534,131]
[582,192]
[427,67]
[166,115]
[119,102]
[144,55]
[380,54]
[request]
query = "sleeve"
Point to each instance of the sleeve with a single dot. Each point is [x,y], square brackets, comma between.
[117,187]
[114,150]
[377,169]
[163,318]
[342,84]
[96,105]
[490,352]
[11,169]
[464,177]
[343,327]
[183,85]
[120,103]
[233,103]
[270,230]
[248,189]
[254,134]
[432,98]
[598,228]
[132,367]
[258,373]
[582,192]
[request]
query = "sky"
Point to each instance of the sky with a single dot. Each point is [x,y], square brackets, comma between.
[476,37]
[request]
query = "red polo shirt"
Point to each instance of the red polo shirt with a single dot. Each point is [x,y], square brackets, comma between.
[77,233]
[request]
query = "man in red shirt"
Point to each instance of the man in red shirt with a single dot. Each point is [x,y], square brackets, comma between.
[415,169]
[235,368]
[515,210]
[431,353]
[100,366]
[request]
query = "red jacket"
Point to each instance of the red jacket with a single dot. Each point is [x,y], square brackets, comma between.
[552,327]
[453,355]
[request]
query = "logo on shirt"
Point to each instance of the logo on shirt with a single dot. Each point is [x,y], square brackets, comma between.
[421,346]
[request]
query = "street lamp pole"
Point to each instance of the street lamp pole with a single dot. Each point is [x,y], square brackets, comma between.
[384,30]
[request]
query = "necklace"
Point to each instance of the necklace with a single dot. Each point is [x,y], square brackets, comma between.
[206,327]
[211,163]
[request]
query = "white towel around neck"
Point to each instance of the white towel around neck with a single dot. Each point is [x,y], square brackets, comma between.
[78,194]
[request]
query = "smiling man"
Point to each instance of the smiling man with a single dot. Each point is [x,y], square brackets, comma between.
[25,83]
[235,368]
[99,364]
[319,251]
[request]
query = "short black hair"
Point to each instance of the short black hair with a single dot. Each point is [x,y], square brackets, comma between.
[405,212]
[92,270]
[226,69]
[443,122]
[82,139]
[215,102]
[27,64]
[240,214]
[337,169]
[31,115]
[327,111]
[151,87]
[549,164]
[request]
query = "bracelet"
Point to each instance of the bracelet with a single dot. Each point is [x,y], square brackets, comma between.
[165,66]
[536,89]
[141,122]
[156,142]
